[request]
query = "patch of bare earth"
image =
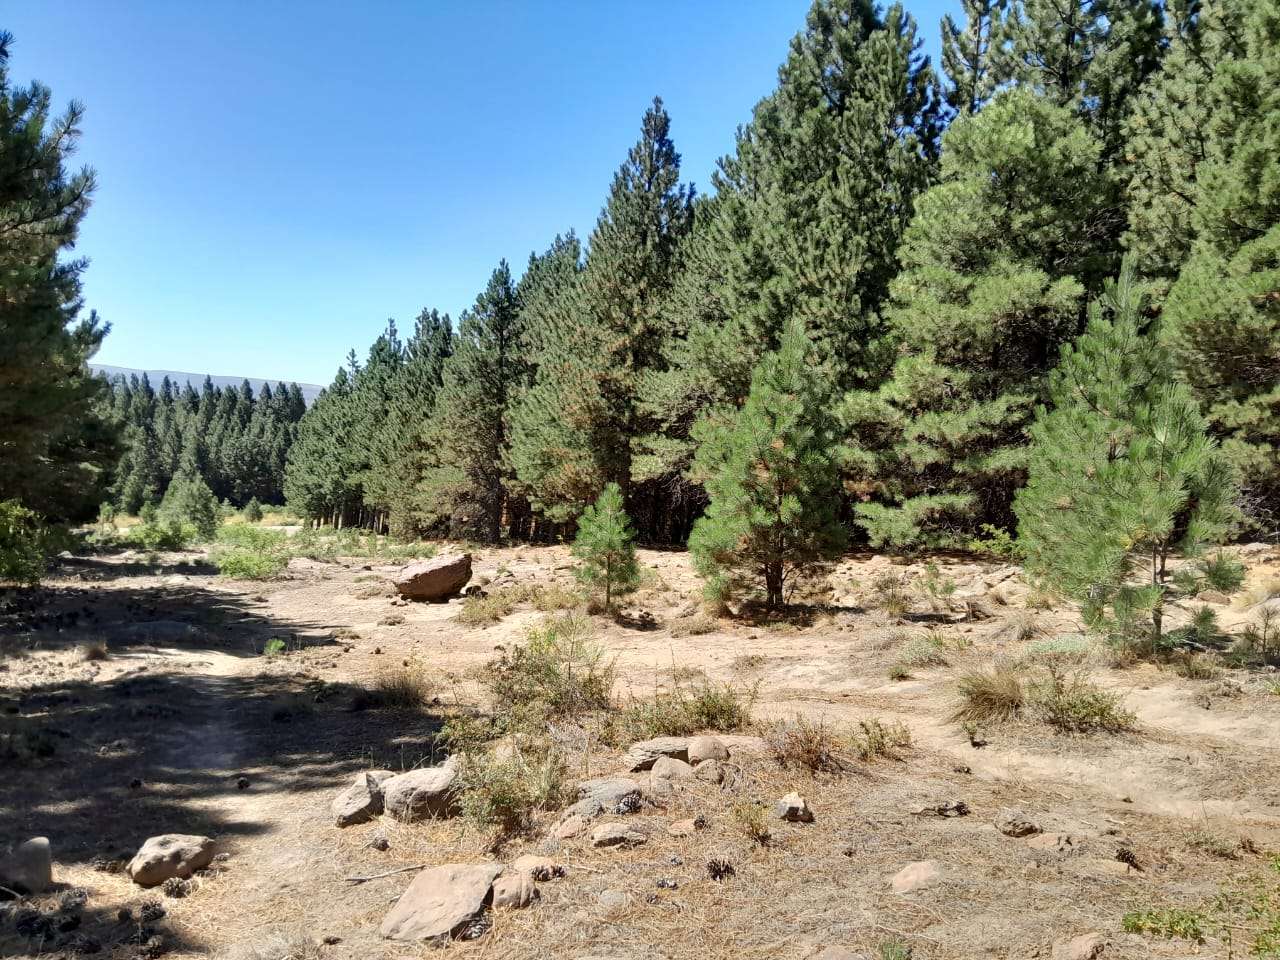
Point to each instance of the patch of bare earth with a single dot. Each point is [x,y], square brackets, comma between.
[188,726]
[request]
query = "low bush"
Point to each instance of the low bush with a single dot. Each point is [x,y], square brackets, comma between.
[923,651]
[189,502]
[752,820]
[996,542]
[813,745]
[891,594]
[1073,704]
[22,554]
[244,552]
[682,711]
[252,512]
[406,687]
[1259,642]
[507,790]
[558,669]
[874,738]
[1062,649]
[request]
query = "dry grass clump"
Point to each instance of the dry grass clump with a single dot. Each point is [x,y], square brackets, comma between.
[1259,642]
[682,711]
[748,663]
[810,744]
[481,610]
[874,738]
[751,819]
[406,687]
[694,626]
[1259,593]
[274,946]
[94,651]
[990,696]
[891,594]
[923,651]
[1066,649]
[1196,666]
[371,591]
[1022,626]
[553,596]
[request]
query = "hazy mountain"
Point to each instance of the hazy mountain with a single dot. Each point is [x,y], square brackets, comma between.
[309,390]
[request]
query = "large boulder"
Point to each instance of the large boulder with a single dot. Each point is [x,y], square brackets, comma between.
[436,579]
[170,855]
[420,794]
[362,800]
[440,902]
[28,867]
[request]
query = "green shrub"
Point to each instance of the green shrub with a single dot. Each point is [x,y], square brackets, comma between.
[926,651]
[1062,649]
[243,552]
[253,511]
[605,545]
[189,501]
[996,542]
[1073,704]
[874,738]
[153,534]
[682,711]
[22,556]
[506,791]
[752,820]
[273,647]
[557,670]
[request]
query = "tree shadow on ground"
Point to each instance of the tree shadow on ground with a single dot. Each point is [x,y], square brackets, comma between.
[99,755]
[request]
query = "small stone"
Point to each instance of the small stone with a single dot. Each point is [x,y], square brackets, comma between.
[616,835]
[514,891]
[669,768]
[606,795]
[441,902]
[1015,823]
[686,828]
[793,808]
[170,855]
[613,899]
[1089,946]
[541,869]
[379,842]
[706,748]
[711,771]
[29,866]
[363,800]
[570,827]
[916,876]
[242,783]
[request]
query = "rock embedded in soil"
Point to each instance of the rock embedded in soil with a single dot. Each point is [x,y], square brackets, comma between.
[711,771]
[170,855]
[440,902]
[686,828]
[541,869]
[669,768]
[706,748]
[613,899]
[616,795]
[1015,823]
[362,801]
[616,835]
[420,794]
[570,827]
[644,754]
[916,876]
[28,867]
[514,891]
[436,579]
[1086,947]
[793,808]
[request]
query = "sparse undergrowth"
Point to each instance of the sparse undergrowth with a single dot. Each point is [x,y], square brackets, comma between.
[822,747]
[683,710]
[1070,702]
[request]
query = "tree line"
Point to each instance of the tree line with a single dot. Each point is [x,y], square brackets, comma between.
[881,284]
[234,441]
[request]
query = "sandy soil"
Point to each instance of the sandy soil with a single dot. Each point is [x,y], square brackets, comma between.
[100,754]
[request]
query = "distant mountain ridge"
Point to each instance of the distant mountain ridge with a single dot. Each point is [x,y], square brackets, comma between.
[309,390]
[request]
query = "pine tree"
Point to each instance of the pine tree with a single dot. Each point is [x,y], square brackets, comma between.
[253,511]
[190,501]
[1122,473]
[1222,318]
[600,332]
[974,56]
[469,482]
[55,446]
[996,265]
[772,478]
[605,545]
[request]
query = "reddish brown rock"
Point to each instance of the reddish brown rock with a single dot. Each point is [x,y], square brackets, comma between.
[436,579]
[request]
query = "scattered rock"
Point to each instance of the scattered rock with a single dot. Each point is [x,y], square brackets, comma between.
[712,771]
[916,876]
[616,835]
[613,899]
[706,748]
[242,783]
[1015,823]
[436,579]
[28,867]
[943,808]
[616,795]
[570,827]
[420,794]
[440,902]
[686,828]
[644,754]
[1213,596]
[794,809]
[669,768]
[541,869]
[514,891]
[362,801]
[379,842]
[170,855]
[1089,946]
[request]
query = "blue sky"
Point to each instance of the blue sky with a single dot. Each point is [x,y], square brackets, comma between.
[277,179]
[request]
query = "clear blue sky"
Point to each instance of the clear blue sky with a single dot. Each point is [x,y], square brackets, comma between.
[277,179]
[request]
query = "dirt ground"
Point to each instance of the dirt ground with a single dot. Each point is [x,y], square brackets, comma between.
[185,726]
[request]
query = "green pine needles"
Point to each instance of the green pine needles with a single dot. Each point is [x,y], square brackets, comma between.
[1122,474]
[772,477]
[606,546]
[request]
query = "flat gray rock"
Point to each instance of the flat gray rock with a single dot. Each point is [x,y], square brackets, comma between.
[440,901]
[645,753]
[420,794]
[615,795]
[362,801]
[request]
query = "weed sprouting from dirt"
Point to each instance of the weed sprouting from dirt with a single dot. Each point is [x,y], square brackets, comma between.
[990,696]
[751,819]
[408,686]
[506,790]
[1073,704]
[810,744]
[558,669]
[874,738]
[683,710]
